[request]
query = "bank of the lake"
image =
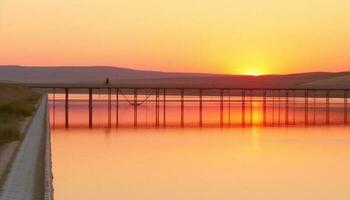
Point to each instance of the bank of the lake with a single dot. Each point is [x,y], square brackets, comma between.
[25,151]
[17,105]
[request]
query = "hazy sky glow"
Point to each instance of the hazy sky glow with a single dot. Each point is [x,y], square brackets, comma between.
[222,36]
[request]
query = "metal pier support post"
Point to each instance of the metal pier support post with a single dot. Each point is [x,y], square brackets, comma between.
[221,107]
[287,108]
[315,106]
[157,108]
[279,107]
[54,107]
[90,107]
[327,107]
[345,106]
[306,107]
[135,107]
[273,107]
[109,108]
[294,103]
[117,107]
[164,107]
[251,107]
[264,107]
[243,107]
[66,108]
[229,109]
[200,107]
[182,108]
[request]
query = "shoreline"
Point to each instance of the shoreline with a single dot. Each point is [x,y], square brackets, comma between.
[48,175]
[29,175]
[9,150]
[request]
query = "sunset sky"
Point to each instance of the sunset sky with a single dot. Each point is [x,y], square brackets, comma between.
[221,36]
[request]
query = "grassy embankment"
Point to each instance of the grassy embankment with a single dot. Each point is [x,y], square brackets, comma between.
[16,103]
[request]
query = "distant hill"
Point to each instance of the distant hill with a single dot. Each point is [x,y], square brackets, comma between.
[342,81]
[65,74]
[129,78]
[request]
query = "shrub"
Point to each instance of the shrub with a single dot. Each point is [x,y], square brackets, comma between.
[11,114]
[9,133]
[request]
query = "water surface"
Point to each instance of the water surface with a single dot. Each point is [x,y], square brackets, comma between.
[172,163]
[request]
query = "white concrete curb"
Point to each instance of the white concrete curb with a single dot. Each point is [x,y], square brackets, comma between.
[21,180]
[48,195]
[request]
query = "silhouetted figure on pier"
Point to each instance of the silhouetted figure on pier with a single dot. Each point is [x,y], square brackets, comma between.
[107,81]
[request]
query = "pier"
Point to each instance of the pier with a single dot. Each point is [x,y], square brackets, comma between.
[272,99]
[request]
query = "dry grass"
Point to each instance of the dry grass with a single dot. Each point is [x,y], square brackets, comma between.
[16,103]
[334,82]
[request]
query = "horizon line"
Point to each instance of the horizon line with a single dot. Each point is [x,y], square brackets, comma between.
[160,71]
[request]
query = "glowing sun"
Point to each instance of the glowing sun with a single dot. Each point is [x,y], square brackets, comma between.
[252,71]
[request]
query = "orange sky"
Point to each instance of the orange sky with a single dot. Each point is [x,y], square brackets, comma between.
[222,36]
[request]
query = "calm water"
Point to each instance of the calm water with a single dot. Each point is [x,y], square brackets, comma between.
[172,163]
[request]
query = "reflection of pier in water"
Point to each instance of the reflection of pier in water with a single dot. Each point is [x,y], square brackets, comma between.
[278,106]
